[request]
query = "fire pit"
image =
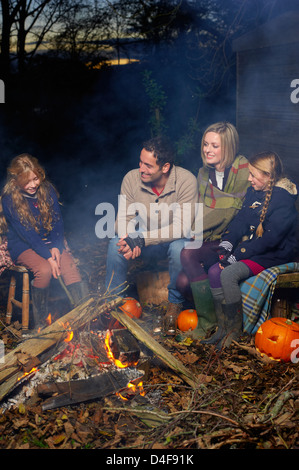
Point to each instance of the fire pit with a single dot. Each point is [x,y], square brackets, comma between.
[92,365]
[87,363]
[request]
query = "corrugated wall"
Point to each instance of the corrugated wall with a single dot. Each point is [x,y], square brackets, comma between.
[267,119]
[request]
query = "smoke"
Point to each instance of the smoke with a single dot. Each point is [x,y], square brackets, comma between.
[90,139]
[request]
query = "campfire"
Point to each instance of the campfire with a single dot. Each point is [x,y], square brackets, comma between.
[95,350]
[89,364]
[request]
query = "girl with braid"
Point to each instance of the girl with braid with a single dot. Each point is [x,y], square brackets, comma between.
[31,219]
[261,235]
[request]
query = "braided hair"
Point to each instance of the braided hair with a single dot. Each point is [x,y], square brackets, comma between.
[269,164]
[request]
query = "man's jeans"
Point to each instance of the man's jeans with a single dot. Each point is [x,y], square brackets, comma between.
[117,265]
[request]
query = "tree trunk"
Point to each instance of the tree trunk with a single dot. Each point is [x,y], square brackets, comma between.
[5,41]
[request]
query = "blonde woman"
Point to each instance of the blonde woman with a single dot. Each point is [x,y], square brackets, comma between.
[262,235]
[32,221]
[223,181]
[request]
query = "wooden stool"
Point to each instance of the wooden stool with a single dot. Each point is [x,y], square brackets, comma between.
[152,286]
[24,304]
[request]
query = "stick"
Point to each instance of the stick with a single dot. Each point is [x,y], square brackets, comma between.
[66,291]
[251,350]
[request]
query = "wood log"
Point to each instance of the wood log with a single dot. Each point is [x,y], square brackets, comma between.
[79,391]
[287,280]
[152,287]
[13,367]
[156,347]
[124,346]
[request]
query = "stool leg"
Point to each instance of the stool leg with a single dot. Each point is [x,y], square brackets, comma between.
[25,302]
[11,295]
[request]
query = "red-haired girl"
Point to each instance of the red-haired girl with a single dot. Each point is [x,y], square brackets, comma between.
[32,221]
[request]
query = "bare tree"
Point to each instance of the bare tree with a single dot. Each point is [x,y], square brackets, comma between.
[83,31]
[9,13]
[26,21]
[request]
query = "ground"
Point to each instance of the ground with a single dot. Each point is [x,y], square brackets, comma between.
[241,402]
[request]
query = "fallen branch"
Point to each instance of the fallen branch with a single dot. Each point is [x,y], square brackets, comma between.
[170,416]
[254,352]
[284,397]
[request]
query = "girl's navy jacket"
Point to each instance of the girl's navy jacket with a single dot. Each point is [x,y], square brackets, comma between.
[279,243]
[20,238]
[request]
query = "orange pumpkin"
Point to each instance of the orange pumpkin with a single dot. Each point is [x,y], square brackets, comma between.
[131,307]
[187,320]
[274,338]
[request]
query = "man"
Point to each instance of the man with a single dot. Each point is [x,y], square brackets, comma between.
[152,220]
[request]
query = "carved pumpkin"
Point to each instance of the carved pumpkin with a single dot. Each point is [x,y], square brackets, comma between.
[131,307]
[274,338]
[187,320]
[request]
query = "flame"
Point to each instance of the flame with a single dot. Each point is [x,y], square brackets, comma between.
[110,354]
[34,369]
[49,319]
[70,333]
[134,389]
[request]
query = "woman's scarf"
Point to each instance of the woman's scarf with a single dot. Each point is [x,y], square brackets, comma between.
[234,190]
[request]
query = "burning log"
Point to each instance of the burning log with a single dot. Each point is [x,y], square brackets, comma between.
[79,391]
[123,347]
[154,346]
[13,369]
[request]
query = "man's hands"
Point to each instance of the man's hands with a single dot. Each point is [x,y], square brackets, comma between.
[130,247]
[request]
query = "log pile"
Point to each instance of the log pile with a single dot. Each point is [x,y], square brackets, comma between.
[27,354]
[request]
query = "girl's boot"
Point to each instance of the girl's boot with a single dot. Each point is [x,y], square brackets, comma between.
[78,291]
[39,306]
[233,322]
[218,335]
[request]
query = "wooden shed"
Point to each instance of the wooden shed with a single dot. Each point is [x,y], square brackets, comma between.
[267,115]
